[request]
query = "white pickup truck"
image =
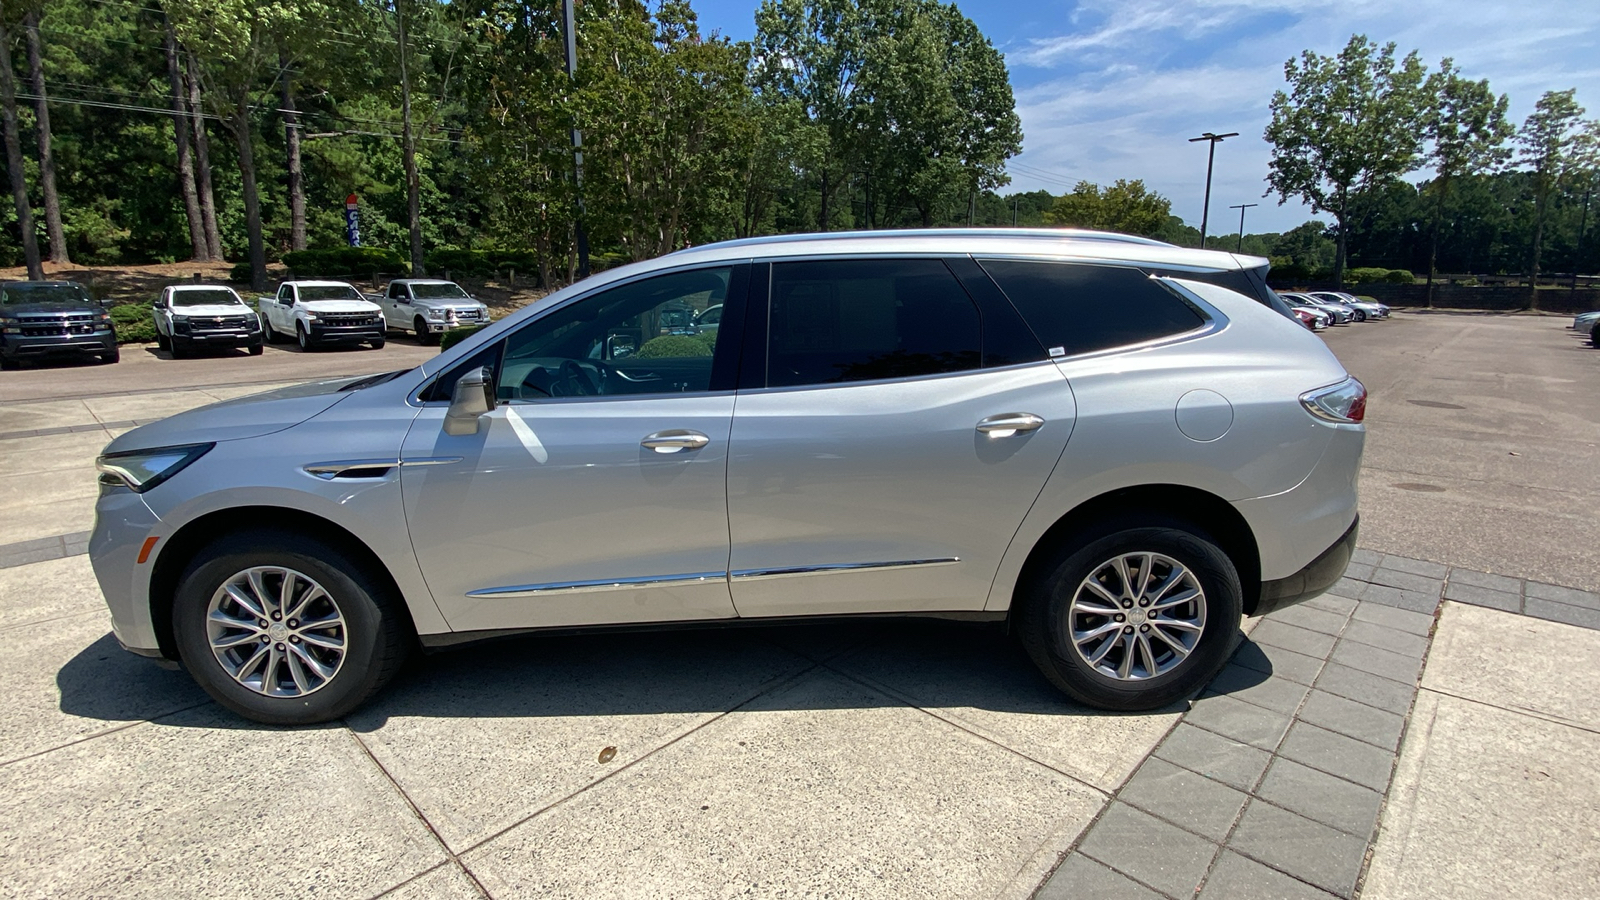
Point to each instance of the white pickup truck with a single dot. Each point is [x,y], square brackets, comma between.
[428,307]
[193,317]
[318,313]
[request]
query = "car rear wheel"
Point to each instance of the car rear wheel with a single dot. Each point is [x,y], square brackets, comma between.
[287,629]
[1133,619]
[266,328]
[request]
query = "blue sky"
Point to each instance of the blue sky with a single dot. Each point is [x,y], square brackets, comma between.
[1112,89]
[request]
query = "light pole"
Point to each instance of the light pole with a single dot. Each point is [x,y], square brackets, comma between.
[1211,157]
[1241,208]
[581,236]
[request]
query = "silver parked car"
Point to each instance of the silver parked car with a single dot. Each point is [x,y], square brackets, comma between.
[1116,446]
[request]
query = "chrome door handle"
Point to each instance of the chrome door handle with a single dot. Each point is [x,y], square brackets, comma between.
[675,439]
[1008,424]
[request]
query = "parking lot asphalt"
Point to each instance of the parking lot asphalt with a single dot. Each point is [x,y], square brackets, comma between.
[1482,441]
[1354,746]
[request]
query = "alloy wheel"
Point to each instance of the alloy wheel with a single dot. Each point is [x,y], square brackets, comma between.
[276,631]
[1137,616]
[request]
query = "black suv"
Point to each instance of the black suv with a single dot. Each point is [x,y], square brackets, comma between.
[52,318]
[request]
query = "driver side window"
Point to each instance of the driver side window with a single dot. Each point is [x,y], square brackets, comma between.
[636,338]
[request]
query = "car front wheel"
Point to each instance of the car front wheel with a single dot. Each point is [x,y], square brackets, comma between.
[1135,619]
[286,629]
[304,338]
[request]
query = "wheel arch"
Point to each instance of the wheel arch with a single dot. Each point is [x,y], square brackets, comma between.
[1173,503]
[180,548]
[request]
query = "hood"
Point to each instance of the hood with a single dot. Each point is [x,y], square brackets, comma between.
[61,309]
[449,303]
[214,309]
[239,418]
[334,306]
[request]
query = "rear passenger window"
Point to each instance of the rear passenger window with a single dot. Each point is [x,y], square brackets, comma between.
[859,320]
[1081,309]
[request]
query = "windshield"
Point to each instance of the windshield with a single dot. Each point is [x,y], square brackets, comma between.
[18,294]
[329,292]
[444,291]
[206,297]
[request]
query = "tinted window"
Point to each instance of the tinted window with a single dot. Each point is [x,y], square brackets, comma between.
[44,292]
[205,297]
[309,292]
[1081,309]
[857,320]
[445,291]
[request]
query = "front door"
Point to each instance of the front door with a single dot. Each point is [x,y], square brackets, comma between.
[595,492]
[891,455]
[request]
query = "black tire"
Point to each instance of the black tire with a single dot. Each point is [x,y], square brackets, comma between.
[9,364]
[256,349]
[306,344]
[424,337]
[1594,336]
[377,635]
[1361,316]
[378,343]
[176,351]
[114,355]
[163,342]
[266,328]
[1045,604]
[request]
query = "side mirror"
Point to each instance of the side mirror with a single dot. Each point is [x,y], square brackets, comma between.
[474,396]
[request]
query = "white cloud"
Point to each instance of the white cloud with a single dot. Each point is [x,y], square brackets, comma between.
[1119,94]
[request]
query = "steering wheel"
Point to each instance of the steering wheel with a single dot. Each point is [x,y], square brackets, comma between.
[575,378]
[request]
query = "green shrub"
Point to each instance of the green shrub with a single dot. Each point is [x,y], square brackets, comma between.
[455,336]
[240,273]
[671,346]
[342,262]
[1400,276]
[1373,275]
[709,338]
[482,262]
[135,323]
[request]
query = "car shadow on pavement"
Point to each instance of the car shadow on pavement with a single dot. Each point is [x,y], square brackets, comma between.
[924,663]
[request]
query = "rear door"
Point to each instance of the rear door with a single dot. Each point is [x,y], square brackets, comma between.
[892,431]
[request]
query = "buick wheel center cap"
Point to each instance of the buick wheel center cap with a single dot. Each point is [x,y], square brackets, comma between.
[1136,616]
[278,632]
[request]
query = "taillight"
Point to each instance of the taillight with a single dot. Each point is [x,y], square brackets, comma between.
[1345,402]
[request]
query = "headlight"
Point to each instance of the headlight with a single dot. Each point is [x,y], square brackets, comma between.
[11,326]
[311,317]
[177,318]
[142,470]
[483,312]
[433,313]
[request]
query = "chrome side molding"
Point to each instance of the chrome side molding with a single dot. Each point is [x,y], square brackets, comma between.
[604,584]
[831,568]
[649,581]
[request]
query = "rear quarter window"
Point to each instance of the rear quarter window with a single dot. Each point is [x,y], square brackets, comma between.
[1084,308]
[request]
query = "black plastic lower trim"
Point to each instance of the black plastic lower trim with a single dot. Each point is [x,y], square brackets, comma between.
[450,640]
[1318,575]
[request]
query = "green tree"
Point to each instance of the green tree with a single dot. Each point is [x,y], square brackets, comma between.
[1546,139]
[1126,206]
[1347,123]
[1467,126]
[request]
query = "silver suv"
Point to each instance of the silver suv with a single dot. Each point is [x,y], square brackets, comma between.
[1115,446]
